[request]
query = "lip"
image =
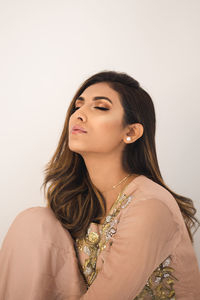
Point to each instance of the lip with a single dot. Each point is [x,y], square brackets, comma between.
[78,129]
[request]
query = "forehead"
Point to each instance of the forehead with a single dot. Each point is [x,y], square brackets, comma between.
[101,89]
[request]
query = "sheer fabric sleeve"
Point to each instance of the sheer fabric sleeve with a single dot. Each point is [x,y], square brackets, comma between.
[146,235]
[33,265]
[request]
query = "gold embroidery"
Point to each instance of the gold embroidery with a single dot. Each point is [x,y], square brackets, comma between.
[159,285]
[93,243]
[93,237]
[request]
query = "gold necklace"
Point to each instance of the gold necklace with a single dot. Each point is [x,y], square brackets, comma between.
[114,186]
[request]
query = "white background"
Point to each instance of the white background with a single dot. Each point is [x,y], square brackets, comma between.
[47,49]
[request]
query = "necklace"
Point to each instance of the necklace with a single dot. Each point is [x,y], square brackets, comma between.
[114,186]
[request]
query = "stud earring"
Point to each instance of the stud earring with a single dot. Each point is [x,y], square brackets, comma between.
[128,138]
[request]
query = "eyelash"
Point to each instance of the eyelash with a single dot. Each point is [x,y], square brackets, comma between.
[101,108]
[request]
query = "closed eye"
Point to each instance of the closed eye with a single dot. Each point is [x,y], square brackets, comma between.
[102,108]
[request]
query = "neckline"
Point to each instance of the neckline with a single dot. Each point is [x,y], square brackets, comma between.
[130,184]
[124,191]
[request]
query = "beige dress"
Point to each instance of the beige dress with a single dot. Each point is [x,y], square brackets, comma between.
[141,252]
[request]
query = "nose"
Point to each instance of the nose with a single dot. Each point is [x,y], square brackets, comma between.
[80,118]
[80,115]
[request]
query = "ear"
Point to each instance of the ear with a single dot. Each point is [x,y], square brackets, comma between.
[135,131]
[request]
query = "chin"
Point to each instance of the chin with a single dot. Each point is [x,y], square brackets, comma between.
[76,149]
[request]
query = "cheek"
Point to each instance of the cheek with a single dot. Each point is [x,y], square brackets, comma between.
[109,128]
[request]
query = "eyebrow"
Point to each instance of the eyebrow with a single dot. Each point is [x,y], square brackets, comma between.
[95,98]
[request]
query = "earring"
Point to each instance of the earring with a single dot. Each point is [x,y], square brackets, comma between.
[128,138]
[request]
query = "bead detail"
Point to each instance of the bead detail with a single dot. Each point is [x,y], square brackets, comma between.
[108,218]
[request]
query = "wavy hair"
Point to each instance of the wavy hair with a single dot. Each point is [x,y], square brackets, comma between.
[75,201]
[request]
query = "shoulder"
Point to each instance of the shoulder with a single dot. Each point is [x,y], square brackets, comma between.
[152,212]
[39,224]
[146,189]
[154,205]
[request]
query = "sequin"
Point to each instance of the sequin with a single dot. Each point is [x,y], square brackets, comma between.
[86,250]
[158,279]
[112,230]
[166,262]
[108,218]
[127,202]
[88,270]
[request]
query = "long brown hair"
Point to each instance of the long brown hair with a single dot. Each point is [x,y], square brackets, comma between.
[71,195]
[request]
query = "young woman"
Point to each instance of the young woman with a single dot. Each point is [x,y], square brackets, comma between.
[112,229]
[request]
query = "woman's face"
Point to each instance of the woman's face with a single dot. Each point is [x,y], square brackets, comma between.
[105,132]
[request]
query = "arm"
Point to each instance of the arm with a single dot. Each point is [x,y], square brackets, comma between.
[146,235]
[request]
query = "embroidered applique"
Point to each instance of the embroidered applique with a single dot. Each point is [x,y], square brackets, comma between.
[160,285]
[93,243]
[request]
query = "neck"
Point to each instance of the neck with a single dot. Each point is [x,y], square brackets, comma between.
[105,172]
